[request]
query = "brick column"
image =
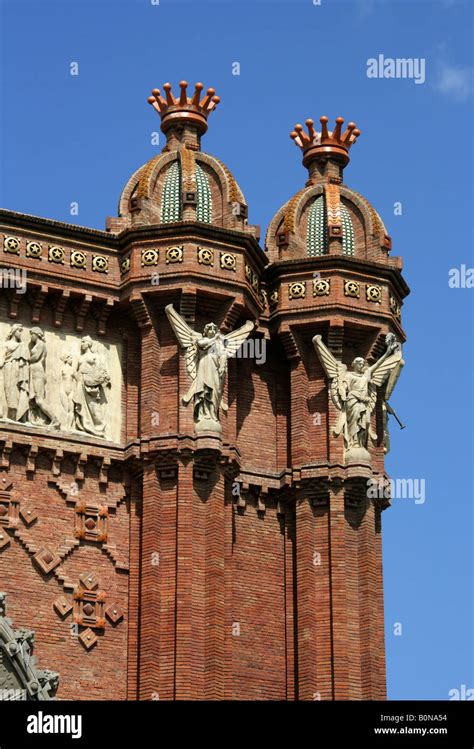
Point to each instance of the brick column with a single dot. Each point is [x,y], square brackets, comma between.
[215,635]
[150,598]
[306,600]
[134,590]
[372,646]
[188,652]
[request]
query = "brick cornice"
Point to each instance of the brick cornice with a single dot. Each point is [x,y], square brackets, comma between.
[275,271]
[182,229]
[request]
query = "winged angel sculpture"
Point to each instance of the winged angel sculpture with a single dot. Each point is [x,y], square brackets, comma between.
[206,356]
[354,393]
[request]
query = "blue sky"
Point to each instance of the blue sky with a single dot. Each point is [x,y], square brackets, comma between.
[78,138]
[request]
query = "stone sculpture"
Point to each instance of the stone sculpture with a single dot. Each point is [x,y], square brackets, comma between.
[206,357]
[89,397]
[38,409]
[67,386]
[354,393]
[16,375]
[29,385]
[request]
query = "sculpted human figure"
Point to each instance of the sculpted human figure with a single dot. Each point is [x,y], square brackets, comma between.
[354,393]
[16,374]
[206,358]
[89,393]
[37,389]
[67,384]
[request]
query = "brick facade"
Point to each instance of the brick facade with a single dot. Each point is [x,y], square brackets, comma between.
[242,567]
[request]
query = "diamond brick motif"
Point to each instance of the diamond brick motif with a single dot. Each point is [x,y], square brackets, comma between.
[4,539]
[88,638]
[46,560]
[89,581]
[62,606]
[28,515]
[114,613]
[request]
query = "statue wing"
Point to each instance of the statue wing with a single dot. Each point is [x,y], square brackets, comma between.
[390,369]
[334,369]
[388,372]
[393,378]
[234,340]
[187,338]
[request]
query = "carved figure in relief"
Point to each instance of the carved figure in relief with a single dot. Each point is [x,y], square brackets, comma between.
[39,411]
[206,358]
[89,395]
[67,385]
[15,365]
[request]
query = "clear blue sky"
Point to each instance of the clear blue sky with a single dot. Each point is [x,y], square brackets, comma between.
[68,138]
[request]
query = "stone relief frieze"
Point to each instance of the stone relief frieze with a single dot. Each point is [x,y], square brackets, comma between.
[60,382]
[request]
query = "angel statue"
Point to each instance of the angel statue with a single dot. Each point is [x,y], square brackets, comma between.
[354,393]
[206,359]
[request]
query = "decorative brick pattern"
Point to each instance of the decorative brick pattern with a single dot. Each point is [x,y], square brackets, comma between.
[176,565]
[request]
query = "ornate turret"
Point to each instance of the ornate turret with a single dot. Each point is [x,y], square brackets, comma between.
[326,217]
[326,144]
[182,183]
[183,119]
[325,154]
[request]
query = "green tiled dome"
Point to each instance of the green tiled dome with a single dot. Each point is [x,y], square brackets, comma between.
[203,196]
[347,232]
[316,241]
[171,202]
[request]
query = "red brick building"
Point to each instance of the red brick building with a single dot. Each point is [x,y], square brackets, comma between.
[153,559]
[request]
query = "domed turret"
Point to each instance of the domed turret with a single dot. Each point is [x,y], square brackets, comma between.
[326,217]
[182,183]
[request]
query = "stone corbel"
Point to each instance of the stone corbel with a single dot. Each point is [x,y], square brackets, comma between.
[59,306]
[81,310]
[57,460]
[243,494]
[101,313]
[378,347]
[289,343]
[31,458]
[233,313]
[81,467]
[13,300]
[140,310]
[37,302]
[6,454]
[104,471]
[261,494]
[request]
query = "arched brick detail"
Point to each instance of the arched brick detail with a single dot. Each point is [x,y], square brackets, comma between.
[377,240]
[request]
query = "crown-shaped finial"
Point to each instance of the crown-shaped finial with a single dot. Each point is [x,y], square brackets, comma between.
[325,144]
[184,109]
